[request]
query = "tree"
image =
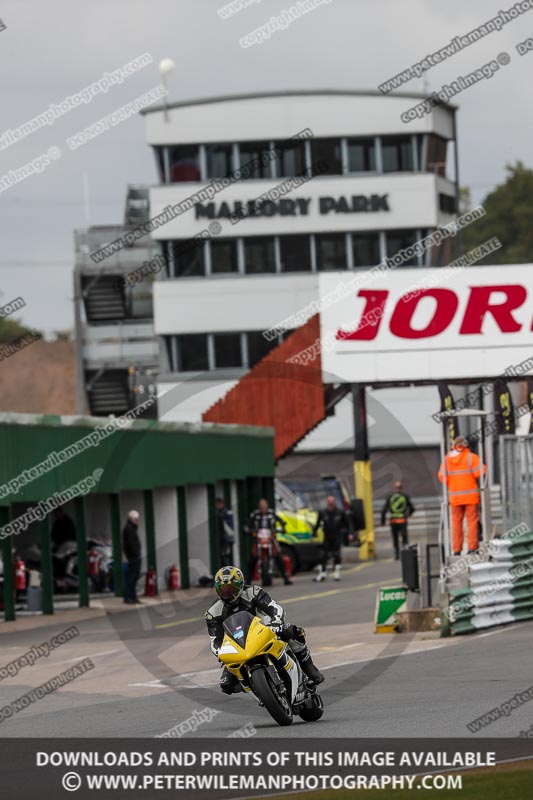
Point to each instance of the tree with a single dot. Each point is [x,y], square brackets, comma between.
[509,217]
[10,330]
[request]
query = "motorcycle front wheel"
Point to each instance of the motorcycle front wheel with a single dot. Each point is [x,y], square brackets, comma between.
[314,711]
[277,706]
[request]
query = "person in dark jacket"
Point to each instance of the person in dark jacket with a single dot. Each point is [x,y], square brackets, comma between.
[336,525]
[225,532]
[265,517]
[132,550]
[399,507]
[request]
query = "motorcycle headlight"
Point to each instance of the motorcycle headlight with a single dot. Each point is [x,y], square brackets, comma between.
[226,649]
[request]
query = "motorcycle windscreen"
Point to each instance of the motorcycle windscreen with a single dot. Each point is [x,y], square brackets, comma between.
[238,625]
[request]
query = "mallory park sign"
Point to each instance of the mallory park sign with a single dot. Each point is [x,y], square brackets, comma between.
[298,207]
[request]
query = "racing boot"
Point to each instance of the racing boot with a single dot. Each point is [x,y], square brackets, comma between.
[321,576]
[308,667]
[337,572]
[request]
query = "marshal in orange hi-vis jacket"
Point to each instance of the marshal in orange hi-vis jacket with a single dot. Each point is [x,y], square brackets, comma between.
[460,472]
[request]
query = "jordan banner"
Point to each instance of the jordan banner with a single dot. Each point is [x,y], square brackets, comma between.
[503,408]
[447,403]
[422,324]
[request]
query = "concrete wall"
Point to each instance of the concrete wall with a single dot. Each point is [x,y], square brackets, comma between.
[198,531]
[417,467]
[188,305]
[97,517]
[166,532]
[264,117]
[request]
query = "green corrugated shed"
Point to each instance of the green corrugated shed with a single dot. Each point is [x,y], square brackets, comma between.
[146,455]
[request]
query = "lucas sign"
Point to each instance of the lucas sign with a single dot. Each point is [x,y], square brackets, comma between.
[389,602]
[426,324]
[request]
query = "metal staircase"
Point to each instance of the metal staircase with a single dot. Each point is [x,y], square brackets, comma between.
[102,301]
[108,392]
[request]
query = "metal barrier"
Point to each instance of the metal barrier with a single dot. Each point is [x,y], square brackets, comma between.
[516,470]
[499,591]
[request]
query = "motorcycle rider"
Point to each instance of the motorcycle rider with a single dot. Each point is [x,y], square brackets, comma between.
[265,517]
[335,524]
[233,596]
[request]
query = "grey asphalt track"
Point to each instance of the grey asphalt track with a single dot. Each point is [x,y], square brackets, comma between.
[153,670]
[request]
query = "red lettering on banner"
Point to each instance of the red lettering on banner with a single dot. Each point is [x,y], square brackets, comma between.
[446,306]
[371,318]
[479,305]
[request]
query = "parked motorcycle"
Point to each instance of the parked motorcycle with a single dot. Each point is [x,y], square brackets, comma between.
[65,568]
[65,565]
[266,666]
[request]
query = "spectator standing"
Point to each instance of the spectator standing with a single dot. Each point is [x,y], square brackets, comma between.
[131,544]
[399,508]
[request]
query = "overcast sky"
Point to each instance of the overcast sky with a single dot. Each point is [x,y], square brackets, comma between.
[55,48]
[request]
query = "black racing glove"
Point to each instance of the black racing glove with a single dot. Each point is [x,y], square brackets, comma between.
[292,632]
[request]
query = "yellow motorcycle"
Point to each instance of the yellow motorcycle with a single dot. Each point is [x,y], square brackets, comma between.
[266,666]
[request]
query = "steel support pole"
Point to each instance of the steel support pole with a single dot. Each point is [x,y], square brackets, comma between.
[214,545]
[81,541]
[183,542]
[7,558]
[226,492]
[242,513]
[46,568]
[116,540]
[362,470]
[149,527]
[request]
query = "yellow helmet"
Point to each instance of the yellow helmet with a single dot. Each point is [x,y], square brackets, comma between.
[229,583]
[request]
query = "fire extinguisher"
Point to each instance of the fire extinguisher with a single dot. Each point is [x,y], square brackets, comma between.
[173,578]
[94,558]
[150,589]
[20,574]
